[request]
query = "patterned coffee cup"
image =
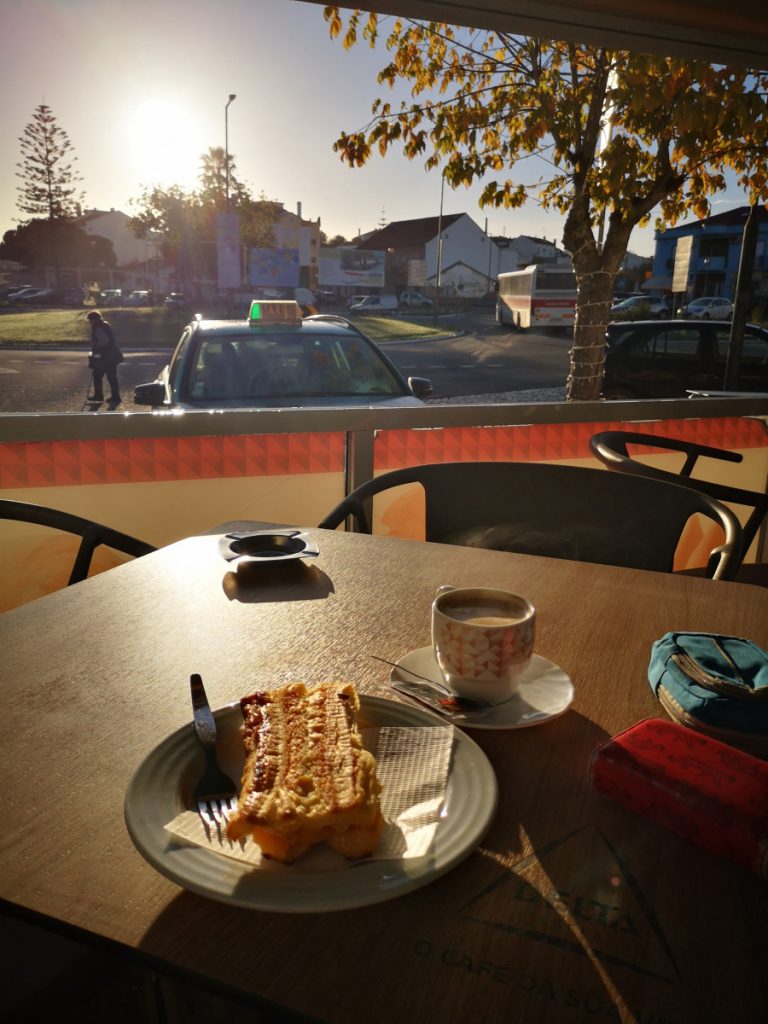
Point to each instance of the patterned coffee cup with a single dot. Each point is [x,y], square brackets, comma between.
[482,639]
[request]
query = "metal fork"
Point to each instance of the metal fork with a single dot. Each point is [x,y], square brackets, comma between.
[215,790]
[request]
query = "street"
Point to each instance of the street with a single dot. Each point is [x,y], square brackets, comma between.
[483,360]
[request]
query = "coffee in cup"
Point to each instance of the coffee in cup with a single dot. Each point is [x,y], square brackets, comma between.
[482,639]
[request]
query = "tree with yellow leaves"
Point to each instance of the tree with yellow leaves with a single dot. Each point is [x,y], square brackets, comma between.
[620,133]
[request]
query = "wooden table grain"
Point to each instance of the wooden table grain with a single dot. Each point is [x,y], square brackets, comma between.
[572,909]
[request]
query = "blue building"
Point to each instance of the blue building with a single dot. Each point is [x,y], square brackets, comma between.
[714,257]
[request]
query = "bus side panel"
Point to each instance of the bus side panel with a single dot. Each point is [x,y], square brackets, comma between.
[518,310]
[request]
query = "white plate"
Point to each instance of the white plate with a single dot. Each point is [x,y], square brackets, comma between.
[161,787]
[545,692]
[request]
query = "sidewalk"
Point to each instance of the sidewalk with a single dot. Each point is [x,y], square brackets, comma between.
[533,395]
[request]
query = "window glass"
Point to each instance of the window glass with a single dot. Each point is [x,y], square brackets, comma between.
[755,349]
[555,281]
[282,364]
[677,341]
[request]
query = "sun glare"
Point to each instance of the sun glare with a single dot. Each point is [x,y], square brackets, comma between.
[165,143]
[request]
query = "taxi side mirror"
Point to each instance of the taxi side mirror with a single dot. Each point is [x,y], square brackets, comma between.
[149,394]
[420,386]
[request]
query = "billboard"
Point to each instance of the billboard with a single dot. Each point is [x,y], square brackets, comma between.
[274,268]
[683,252]
[361,268]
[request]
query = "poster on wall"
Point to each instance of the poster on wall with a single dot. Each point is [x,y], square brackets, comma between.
[274,268]
[348,266]
[228,249]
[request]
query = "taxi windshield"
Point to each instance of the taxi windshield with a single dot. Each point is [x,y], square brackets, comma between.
[240,367]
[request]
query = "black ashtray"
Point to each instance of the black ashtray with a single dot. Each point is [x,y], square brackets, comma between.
[266,546]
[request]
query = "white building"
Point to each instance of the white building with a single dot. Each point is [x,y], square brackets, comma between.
[468,257]
[114,226]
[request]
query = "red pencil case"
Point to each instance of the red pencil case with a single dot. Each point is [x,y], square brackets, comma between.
[708,792]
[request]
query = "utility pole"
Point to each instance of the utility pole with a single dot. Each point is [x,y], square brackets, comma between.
[232,97]
[740,301]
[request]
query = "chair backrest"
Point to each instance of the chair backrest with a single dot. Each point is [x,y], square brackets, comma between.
[92,534]
[561,511]
[611,448]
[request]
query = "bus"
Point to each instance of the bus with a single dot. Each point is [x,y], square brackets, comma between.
[539,296]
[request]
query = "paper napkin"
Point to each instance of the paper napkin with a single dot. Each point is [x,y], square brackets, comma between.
[412,767]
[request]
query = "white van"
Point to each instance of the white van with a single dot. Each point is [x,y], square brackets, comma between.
[383,305]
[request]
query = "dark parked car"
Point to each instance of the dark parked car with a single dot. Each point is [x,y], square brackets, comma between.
[667,358]
[277,358]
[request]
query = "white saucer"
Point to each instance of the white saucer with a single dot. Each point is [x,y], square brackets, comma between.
[545,692]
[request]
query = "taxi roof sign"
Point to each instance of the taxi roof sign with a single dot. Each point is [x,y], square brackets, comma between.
[274,312]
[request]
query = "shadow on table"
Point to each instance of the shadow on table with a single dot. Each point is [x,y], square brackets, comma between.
[290,581]
[572,898]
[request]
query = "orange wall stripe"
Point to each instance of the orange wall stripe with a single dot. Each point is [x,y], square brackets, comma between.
[549,441]
[139,460]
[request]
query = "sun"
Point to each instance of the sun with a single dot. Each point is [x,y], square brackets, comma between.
[165,143]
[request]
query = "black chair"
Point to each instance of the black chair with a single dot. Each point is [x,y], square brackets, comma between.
[610,447]
[561,511]
[92,534]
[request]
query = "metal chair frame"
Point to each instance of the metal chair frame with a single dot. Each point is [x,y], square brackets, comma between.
[611,448]
[92,534]
[561,511]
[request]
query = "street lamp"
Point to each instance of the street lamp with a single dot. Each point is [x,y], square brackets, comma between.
[226,143]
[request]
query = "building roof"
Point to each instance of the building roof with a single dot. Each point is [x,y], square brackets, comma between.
[736,216]
[408,232]
[729,218]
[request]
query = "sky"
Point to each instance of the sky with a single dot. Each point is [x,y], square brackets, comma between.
[141,87]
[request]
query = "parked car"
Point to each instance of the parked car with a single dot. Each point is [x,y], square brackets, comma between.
[70,297]
[139,298]
[176,299]
[19,297]
[13,289]
[667,358]
[707,308]
[383,305]
[354,300]
[279,359]
[325,297]
[414,300]
[111,297]
[640,307]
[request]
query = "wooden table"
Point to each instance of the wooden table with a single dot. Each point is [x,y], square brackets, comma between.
[572,909]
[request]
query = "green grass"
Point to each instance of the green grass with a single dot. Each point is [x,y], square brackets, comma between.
[151,328]
[388,328]
[155,328]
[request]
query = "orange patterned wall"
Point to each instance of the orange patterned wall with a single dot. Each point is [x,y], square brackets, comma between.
[550,441]
[142,460]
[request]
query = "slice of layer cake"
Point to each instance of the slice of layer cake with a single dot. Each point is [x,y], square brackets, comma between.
[307,777]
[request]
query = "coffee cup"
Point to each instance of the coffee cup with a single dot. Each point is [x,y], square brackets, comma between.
[482,640]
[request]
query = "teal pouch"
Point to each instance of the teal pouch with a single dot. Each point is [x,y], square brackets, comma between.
[715,684]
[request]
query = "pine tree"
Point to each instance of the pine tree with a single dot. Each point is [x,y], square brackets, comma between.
[49,188]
